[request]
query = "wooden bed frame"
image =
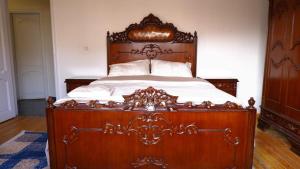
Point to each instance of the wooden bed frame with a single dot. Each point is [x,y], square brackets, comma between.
[150,130]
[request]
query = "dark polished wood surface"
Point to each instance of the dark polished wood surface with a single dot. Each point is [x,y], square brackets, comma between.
[226,85]
[268,152]
[281,94]
[73,83]
[150,130]
[152,39]
[101,136]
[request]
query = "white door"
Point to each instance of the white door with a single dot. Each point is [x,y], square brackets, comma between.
[7,97]
[29,61]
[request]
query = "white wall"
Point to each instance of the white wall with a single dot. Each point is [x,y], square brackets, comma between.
[42,7]
[231,36]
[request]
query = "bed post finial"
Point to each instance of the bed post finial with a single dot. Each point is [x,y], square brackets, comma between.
[107,33]
[50,102]
[251,103]
[195,34]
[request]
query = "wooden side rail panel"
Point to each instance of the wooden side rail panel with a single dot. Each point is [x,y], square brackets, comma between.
[91,138]
[51,136]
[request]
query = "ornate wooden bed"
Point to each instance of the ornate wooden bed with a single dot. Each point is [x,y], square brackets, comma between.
[163,134]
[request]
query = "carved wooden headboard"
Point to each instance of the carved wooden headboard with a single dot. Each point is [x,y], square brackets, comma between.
[152,39]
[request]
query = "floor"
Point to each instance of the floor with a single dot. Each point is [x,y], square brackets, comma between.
[12,127]
[271,148]
[32,107]
[272,151]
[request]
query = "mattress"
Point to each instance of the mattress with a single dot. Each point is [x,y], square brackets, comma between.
[195,90]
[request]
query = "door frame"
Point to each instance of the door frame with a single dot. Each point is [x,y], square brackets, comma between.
[6,31]
[46,65]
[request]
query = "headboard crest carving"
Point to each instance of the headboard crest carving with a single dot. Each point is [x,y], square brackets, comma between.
[152,39]
[151,29]
[152,51]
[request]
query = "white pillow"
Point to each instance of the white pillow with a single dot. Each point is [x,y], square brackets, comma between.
[139,67]
[168,68]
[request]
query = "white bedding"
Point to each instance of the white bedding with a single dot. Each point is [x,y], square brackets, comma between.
[187,89]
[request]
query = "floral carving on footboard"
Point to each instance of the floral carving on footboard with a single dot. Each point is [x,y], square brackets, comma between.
[140,162]
[149,99]
[150,128]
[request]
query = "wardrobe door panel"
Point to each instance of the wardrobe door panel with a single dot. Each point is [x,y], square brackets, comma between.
[292,103]
[278,45]
[280,23]
[275,81]
[295,32]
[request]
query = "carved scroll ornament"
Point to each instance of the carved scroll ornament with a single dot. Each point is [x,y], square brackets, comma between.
[152,29]
[70,104]
[145,161]
[150,129]
[149,98]
[70,167]
[50,102]
[284,59]
[152,51]
[292,127]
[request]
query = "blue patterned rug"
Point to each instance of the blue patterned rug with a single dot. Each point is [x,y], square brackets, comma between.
[24,151]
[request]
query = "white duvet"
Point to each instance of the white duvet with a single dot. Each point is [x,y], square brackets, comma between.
[113,88]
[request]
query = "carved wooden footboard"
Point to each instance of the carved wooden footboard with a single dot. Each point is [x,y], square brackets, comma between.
[150,130]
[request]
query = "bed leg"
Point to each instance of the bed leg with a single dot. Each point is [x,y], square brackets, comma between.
[50,131]
[262,124]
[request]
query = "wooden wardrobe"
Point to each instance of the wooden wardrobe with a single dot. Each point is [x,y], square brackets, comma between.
[281,94]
